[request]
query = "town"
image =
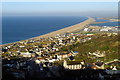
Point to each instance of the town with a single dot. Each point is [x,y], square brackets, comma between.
[56,57]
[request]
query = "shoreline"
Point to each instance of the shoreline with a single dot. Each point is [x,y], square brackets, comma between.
[68,29]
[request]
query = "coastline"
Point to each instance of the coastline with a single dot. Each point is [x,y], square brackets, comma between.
[69,29]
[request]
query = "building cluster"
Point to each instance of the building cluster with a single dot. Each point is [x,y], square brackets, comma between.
[40,55]
[45,48]
[101,29]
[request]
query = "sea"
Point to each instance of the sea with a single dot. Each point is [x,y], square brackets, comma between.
[16,28]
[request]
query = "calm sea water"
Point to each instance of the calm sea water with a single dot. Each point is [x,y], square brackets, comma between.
[107,24]
[19,28]
[104,24]
[99,20]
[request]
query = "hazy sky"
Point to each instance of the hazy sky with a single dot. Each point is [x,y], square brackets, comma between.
[60,0]
[60,8]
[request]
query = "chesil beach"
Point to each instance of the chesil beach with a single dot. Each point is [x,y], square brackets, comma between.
[68,29]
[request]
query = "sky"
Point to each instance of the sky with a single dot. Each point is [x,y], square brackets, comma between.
[60,0]
[59,8]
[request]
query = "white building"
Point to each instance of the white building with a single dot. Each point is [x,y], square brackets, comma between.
[27,54]
[86,29]
[103,29]
[73,66]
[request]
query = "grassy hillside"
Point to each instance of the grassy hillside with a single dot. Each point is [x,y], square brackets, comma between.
[101,42]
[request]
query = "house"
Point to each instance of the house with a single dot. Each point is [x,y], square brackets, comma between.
[114,68]
[27,54]
[89,34]
[73,66]
[86,29]
[41,59]
[90,66]
[103,29]
[37,61]
[52,60]
[99,65]
[71,58]
[64,56]
[115,33]
[75,52]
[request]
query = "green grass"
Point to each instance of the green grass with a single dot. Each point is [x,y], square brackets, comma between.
[109,44]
